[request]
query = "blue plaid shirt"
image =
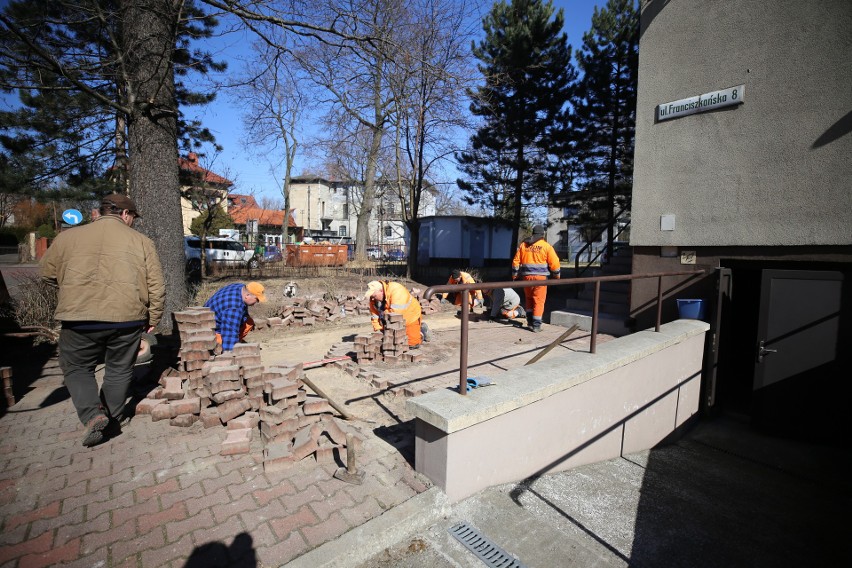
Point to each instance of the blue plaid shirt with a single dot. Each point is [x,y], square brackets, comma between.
[231,313]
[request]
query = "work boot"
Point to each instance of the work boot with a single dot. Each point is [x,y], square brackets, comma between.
[536,325]
[424,331]
[95,431]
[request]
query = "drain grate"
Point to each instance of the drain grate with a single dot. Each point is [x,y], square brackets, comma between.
[481,546]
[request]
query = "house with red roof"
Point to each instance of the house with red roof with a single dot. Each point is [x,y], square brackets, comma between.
[200,188]
[252,219]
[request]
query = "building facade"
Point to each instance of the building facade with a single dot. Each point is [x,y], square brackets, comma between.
[743,170]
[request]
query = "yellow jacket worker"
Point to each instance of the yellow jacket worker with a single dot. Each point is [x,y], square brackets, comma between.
[459,277]
[387,297]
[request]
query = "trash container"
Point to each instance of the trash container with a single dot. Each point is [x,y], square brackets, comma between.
[690,309]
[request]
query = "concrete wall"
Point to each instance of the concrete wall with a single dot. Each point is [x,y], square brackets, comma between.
[562,412]
[775,170]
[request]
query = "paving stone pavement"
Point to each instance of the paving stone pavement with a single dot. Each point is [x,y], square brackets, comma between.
[159,495]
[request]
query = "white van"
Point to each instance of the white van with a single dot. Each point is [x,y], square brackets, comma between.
[219,251]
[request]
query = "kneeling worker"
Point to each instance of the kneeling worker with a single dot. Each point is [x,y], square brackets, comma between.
[230,304]
[459,277]
[505,302]
[387,297]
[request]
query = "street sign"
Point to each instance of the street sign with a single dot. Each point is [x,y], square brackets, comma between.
[72,216]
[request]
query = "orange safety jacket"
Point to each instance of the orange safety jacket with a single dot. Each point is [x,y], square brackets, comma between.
[465,278]
[398,300]
[535,259]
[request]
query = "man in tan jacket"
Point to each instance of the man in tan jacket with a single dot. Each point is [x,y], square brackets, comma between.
[111,288]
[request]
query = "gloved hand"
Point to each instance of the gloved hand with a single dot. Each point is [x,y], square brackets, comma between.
[477,303]
[444,301]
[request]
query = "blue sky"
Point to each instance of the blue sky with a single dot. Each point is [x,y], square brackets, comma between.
[251,172]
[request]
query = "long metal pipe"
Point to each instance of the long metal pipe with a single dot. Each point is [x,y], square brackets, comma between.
[465,289]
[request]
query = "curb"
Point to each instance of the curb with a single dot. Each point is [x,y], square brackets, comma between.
[365,541]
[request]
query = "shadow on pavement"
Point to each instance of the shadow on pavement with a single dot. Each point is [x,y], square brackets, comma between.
[217,554]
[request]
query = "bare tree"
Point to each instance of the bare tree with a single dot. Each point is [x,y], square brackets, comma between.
[276,105]
[429,80]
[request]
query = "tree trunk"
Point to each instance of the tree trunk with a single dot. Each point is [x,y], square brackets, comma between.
[152,139]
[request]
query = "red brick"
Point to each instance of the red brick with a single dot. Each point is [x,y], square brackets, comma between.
[331,528]
[146,405]
[162,412]
[224,373]
[65,553]
[176,512]
[145,493]
[316,407]
[232,409]
[247,420]
[279,489]
[46,512]
[220,386]
[184,420]
[237,442]
[210,417]
[302,518]
[225,396]
[186,406]
[41,543]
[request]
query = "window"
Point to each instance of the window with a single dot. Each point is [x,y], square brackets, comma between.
[341,231]
[388,231]
[389,209]
[345,210]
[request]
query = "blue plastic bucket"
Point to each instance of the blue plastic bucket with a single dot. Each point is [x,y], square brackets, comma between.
[690,309]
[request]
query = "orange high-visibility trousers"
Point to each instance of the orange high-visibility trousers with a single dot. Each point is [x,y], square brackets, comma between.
[412,330]
[535,297]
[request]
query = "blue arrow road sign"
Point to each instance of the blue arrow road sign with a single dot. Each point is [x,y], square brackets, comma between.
[72,216]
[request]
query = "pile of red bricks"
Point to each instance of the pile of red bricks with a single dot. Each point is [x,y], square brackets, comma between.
[235,390]
[426,306]
[389,345]
[306,311]
[310,311]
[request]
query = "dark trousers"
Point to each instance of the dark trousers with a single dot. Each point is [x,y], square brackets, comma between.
[79,354]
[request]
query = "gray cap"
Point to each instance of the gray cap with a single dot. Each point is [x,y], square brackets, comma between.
[538,230]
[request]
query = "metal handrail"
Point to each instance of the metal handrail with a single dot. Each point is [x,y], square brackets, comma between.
[577,271]
[465,303]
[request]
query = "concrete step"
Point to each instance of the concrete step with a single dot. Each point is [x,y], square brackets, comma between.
[609,324]
[616,308]
[620,286]
[588,293]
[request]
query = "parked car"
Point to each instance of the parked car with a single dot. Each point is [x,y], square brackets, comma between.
[219,251]
[374,253]
[273,254]
[395,255]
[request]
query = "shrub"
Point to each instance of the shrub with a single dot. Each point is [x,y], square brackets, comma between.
[35,306]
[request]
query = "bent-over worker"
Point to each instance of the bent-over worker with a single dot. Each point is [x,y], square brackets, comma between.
[388,297]
[460,277]
[506,303]
[230,304]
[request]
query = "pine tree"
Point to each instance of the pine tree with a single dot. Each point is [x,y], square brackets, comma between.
[527,65]
[603,118]
[100,83]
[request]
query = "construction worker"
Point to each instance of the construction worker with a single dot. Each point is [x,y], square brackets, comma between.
[459,277]
[505,303]
[230,304]
[535,260]
[387,297]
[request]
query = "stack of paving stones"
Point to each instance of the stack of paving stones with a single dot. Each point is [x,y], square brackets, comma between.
[310,311]
[233,389]
[389,345]
[426,306]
